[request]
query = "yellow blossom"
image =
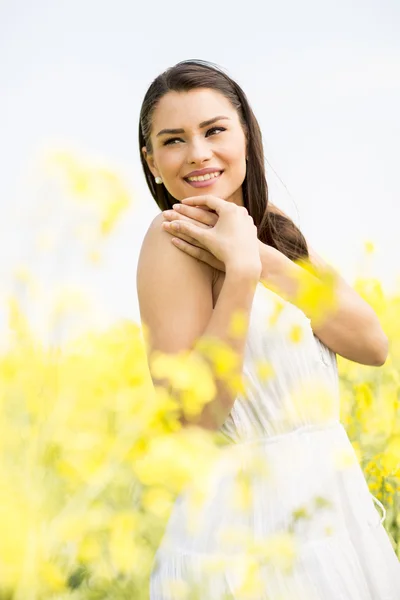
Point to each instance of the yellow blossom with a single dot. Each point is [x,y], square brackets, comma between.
[296,334]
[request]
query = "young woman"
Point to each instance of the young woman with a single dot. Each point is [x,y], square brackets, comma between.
[201,261]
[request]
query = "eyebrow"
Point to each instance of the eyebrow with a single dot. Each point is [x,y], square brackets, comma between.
[201,125]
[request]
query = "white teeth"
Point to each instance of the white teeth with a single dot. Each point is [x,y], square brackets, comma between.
[204,177]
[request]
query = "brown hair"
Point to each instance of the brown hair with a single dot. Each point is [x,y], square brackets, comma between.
[273,228]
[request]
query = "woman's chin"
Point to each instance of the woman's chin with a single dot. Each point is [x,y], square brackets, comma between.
[190,191]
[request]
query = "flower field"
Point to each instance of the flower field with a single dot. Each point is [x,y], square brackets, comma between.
[92,456]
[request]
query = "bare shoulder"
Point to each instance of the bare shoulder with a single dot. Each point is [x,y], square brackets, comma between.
[174,292]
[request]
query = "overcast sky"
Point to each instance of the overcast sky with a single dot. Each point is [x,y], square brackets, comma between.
[323,79]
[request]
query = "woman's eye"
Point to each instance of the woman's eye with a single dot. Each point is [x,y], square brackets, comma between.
[218,128]
[171,141]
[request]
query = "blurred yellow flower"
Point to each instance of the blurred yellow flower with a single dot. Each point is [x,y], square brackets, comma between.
[265,371]
[296,334]
[369,247]
[91,453]
[96,186]
[391,459]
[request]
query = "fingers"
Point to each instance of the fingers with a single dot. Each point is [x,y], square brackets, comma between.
[199,253]
[172,215]
[212,202]
[173,230]
[203,215]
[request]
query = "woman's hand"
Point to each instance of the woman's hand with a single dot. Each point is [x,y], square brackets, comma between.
[233,237]
[203,217]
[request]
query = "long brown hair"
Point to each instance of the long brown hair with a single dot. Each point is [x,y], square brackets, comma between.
[273,228]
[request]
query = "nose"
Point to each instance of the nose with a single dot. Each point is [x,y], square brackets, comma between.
[198,151]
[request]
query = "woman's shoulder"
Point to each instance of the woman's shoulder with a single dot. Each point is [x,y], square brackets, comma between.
[156,239]
[174,291]
[154,228]
[158,254]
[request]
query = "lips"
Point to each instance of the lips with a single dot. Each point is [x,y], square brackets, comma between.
[204,182]
[209,172]
[205,171]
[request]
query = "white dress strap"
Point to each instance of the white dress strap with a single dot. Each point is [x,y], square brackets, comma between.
[378,503]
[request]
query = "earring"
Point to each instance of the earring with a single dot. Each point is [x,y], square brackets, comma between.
[158,179]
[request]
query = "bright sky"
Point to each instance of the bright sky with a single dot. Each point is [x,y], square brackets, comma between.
[323,79]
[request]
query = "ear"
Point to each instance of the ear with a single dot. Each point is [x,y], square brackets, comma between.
[150,162]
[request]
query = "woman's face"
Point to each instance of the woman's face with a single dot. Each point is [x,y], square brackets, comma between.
[218,146]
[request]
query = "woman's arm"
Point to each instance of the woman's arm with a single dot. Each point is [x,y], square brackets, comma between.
[175,300]
[352,329]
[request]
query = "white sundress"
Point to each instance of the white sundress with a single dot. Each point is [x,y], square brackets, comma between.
[342,550]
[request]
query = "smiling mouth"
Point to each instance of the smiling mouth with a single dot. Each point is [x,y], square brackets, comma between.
[206,177]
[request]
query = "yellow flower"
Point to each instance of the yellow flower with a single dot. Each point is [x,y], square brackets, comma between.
[280,550]
[369,247]
[391,459]
[53,577]
[95,186]
[265,370]
[239,324]
[91,453]
[279,306]
[316,292]
[296,334]
[157,500]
